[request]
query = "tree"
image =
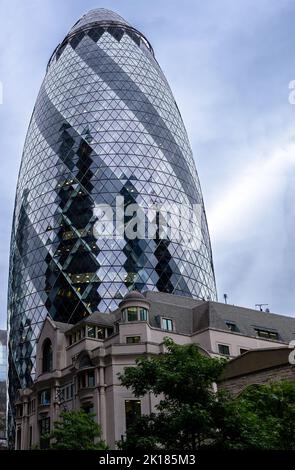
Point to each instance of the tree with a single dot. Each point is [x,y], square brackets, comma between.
[76,430]
[267,416]
[183,377]
[191,416]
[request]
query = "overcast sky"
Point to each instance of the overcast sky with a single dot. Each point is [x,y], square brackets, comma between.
[229,63]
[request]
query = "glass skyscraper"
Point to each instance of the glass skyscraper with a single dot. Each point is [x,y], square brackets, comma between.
[105,125]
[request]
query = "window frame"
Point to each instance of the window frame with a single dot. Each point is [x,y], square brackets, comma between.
[167,319]
[143,314]
[92,327]
[266,334]
[41,394]
[90,375]
[132,311]
[235,328]
[223,346]
[128,418]
[133,337]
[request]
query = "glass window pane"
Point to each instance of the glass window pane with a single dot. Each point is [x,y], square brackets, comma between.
[223,349]
[143,314]
[133,339]
[132,314]
[132,411]
[100,333]
[91,378]
[167,324]
[91,331]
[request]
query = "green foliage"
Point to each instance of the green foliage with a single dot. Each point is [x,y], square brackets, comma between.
[269,413]
[190,415]
[183,378]
[183,374]
[76,430]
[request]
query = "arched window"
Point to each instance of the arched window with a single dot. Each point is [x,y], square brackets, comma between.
[47,356]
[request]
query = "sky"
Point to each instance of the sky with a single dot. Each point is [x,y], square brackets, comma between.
[229,64]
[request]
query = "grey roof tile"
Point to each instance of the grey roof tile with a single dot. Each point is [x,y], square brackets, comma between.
[192,315]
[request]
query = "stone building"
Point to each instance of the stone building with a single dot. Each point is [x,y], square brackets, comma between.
[77,365]
[257,367]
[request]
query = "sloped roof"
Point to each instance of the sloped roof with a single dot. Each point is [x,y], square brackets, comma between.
[63,326]
[96,318]
[216,314]
[102,319]
[256,360]
[192,315]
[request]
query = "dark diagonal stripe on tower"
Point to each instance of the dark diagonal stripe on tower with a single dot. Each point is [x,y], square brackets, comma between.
[51,122]
[112,74]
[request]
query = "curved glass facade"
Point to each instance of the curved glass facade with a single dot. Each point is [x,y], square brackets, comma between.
[105,124]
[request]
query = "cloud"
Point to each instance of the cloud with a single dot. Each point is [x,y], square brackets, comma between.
[229,65]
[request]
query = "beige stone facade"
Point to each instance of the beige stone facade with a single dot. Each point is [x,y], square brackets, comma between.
[78,365]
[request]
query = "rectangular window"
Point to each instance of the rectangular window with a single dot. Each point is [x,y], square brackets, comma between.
[167,324]
[110,332]
[91,379]
[132,411]
[31,407]
[132,314]
[124,315]
[133,339]
[44,426]
[267,334]
[44,397]
[100,333]
[231,326]
[223,349]
[91,331]
[143,314]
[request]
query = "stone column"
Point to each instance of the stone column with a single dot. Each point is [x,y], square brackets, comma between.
[102,403]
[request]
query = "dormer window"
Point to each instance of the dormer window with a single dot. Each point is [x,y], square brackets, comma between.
[267,334]
[232,326]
